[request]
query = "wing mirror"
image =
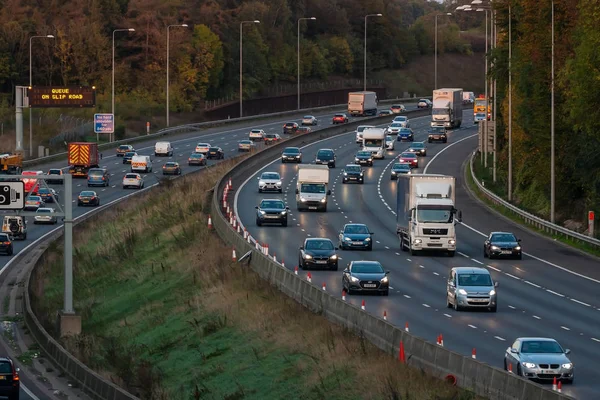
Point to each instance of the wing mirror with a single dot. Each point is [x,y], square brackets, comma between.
[301,247]
[297,191]
[337,248]
[495,284]
[387,272]
[328,192]
[514,351]
[287,208]
[459,216]
[346,270]
[371,233]
[256,207]
[519,240]
[567,351]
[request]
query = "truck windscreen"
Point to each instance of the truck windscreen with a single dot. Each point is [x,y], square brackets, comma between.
[440,111]
[434,214]
[312,188]
[374,142]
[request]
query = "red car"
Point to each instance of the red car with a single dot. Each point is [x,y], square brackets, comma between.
[340,119]
[410,158]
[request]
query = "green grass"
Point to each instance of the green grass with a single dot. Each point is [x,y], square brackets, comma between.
[486,178]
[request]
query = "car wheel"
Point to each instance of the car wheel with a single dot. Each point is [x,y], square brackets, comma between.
[429,141]
[334,268]
[283,161]
[519,371]
[343,180]
[494,309]
[362,181]
[386,293]
[259,190]
[451,253]
[258,222]
[284,223]
[445,141]
[425,154]
[448,304]
[456,306]
[280,190]
[520,256]
[484,252]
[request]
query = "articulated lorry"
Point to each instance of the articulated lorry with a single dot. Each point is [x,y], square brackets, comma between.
[362,103]
[82,157]
[425,213]
[312,187]
[374,141]
[447,108]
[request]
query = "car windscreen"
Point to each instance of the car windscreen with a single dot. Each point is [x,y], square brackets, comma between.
[308,117]
[401,166]
[291,150]
[417,145]
[196,155]
[214,149]
[474,280]
[407,155]
[370,268]
[401,119]
[405,130]
[356,229]
[312,188]
[396,125]
[54,172]
[170,164]
[4,238]
[289,125]
[34,198]
[124,147]
[394,107]
[271,135]
[44,191]
[203,145]
[130,154]
[269,175]
[503,237]
[319,245]
[364,154]
[272,204]
[362,128]
[339,116]
[541,347]
[325,154]
[353,168]
[95,172]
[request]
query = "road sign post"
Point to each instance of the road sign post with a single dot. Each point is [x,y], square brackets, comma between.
[104,123]
[591,218]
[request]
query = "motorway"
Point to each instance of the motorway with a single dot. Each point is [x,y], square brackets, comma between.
[552,292]
[225,137]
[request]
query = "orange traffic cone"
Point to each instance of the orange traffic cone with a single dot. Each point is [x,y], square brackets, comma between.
[401,355]
[209,222]
[363,305]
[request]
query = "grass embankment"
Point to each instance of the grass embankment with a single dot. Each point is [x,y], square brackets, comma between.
[169,316]
[485,177]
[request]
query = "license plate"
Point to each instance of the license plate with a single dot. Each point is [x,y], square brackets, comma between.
[370,285]
[86,201]
[548,372]
[321,262]
[2,377]
[272,216]
[479,300]
[312,208]
[357,243]
[352,178]
[506,252]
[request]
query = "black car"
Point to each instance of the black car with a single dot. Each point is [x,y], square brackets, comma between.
[502,244]
[6,246]
[57,172]
[291,154]
[400,169]
[46,195]
[364,157]
[366,276]
[128,156]
[437,134]
[418,148]
[318,253]
[197,159]
[10,384]
[215,152]
[326,157]
[353,173]
[355,236]
[88,198]
[272,211]
[290,127]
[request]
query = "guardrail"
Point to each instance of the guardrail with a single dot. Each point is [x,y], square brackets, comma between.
[482,378]
[203,125]
[529,218]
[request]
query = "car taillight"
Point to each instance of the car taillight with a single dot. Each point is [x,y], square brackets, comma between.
[92,198]
[5,242]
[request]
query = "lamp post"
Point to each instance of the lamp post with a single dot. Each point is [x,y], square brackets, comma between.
[168,27]
[552,177]
[365,66]
[242,60]
[435,51]
[298,81]
[487,100]
[509,102]
[113,73]
[30,85]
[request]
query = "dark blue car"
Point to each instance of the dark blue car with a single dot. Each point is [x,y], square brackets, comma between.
[98,177]
[356,236]
[406,134]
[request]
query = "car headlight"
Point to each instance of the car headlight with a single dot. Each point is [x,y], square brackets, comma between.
[370,159]
[384,280]
[393,172]
[324,200]
[333,257]
[356,159]
[283,212]
[518,248]
[278,183]
[354,279]
[347,239]
[528,365]
[495,248]
[451,241]
[261,212]
[261,182]
[361,174]
[368,239]
[492,292]
[567,365]
[417,241]
[345,174]
[298,156]
[307,256]
[462,291]
[302,199]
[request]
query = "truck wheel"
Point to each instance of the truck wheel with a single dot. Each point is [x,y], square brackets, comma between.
[429,141]
[413,252]
[324,209]
[451,253]
[258,223]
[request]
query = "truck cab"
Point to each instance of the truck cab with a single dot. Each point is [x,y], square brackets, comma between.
[374,141]
[312,187]
[447,108]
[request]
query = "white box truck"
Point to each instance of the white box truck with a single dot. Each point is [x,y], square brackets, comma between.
[447,108]
[362,103]
[312,187]
[374,141]
[425,213]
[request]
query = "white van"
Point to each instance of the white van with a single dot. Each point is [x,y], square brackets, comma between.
[163,149]
[141,164]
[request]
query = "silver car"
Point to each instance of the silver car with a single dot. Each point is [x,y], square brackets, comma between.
[403,120]
[539,358]
[309,120]
[45,215]
[246,145]
[394,128]
[269,181]
[471,287]
[389,142]
[133,180]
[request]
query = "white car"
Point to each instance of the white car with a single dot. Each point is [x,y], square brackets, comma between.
[256,134]
[359,131]
[202,148]
[389,142]
[133,180]
[309,120]
[45,215]
[246,145]
[403,120]
[398,108]
[394,128]
[269,181]
[424,103]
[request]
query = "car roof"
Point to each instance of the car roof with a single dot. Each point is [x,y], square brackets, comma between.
[405,164]
[270,172]
[352,165]
[314,239]
[271,200]
[291,148]
[355,224]
[46,208]
[406,153]
[308,116]
[364,262]
[325,149]
[471,270]
[502,233]
[541,339]
[421,143]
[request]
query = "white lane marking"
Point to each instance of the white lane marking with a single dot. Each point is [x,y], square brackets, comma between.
[477,261]
[581,302]
[435,273]
[448,315]
[536,317]
[555,293]
[500,338]
[512,276]
[533,284]
[407,296]
[595,340]
[409,260]
[397,254]
[511,307]
[387,248]
[463,254]
[29,393]
[426,305]
[565,328]
[446,148]
[494,268]
[472,326]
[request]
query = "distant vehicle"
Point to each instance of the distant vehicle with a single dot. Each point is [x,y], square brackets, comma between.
[394,128]
[471,287]
[215,152]
[163,149]
[385,112]
[418,148]
[11,164]
[309,120]
[269,181]
[171,168]
[326,157]
[362,103]
[56,172]
[256,134]
[81,157]
[364,157]
[539,358]
[272,138]
[353,173]
[366,276]
[128,156]
[10,384]
[15,227]
[291,154]
[403,120]
[400,169]
[197,159]
[389,143]
[447,108]
[48,195]
[405,134]
[132,180]
[468,98]
[203,148]
[312,187]
[502,244]
[339,119]
[6,246]
[359,132]
[424,103]
[246,145]
[437,134]
[318,253]
[410,158]
[88,198]
[141,164]
[124,148]
[479,109]
[32,203]
[397,108]
[45,215]
[290,127]
[304,129]
[272,211]
[98,177]
[355,236]
[31,184]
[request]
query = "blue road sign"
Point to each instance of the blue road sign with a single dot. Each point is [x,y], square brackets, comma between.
[104,123]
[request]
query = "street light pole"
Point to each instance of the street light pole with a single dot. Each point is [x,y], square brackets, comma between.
[552,177]
[435,84]
[242,61]
[509,102]
[30,85]
[113,73]
[168,27]
[298,81]
[365,66]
